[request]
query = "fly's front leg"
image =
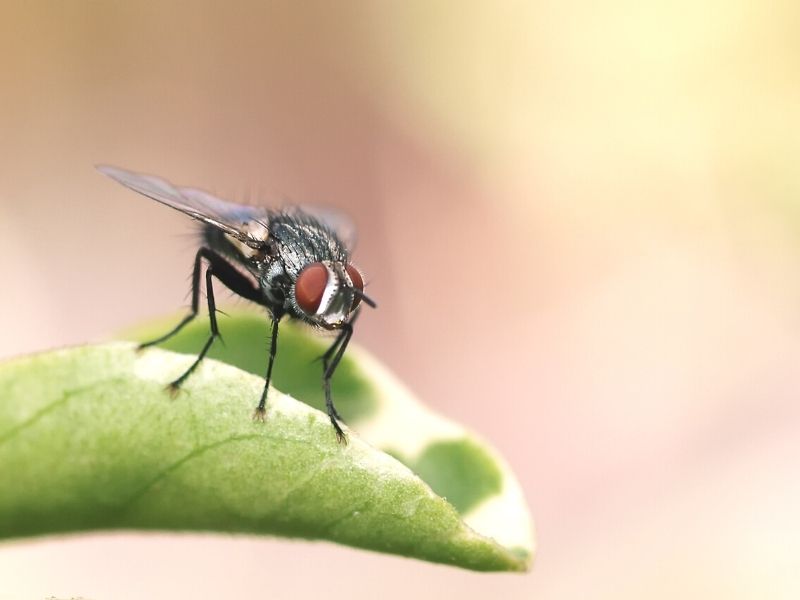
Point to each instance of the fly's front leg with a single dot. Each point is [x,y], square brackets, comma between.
[330,360]
[261,409]
[326,359]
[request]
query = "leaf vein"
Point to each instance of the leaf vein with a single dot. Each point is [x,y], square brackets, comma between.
[195,453]
[66,395]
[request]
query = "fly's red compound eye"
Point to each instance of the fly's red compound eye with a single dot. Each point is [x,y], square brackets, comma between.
[358,283]
[310,287]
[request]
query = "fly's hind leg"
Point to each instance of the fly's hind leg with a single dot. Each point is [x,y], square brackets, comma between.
[238,283]
[198,263]
[212,316]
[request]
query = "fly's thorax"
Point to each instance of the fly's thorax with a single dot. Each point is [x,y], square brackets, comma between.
[301,240]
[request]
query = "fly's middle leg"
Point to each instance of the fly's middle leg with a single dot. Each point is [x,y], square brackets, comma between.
[261,410]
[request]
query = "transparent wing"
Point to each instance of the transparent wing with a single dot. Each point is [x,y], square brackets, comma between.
[234,219]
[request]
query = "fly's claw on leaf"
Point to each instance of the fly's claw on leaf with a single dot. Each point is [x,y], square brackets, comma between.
[260,415]
[173,389]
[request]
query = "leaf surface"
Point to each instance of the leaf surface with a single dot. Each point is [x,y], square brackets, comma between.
[89,439]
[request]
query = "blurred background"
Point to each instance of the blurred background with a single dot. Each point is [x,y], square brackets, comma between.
[581,222]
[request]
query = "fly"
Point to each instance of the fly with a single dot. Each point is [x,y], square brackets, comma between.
[293,262]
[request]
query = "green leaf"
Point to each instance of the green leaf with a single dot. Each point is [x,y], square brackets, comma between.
[89,439]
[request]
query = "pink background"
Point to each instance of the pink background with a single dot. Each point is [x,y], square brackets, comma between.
[582,225]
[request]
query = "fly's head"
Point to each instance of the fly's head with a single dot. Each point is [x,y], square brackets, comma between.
[325,293]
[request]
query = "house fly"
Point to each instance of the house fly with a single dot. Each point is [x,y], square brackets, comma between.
[294,262]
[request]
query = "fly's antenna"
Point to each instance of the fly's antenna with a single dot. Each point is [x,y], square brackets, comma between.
[362,296]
